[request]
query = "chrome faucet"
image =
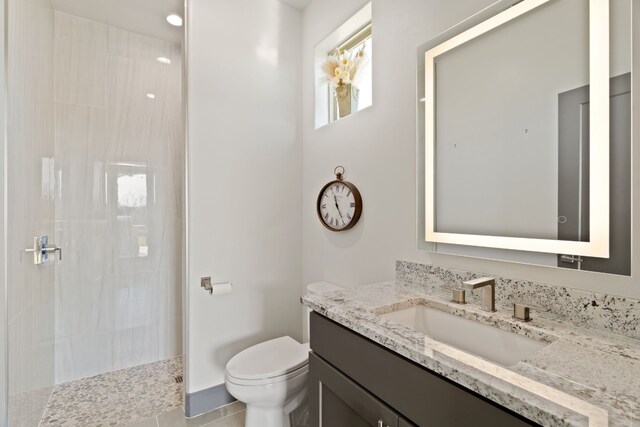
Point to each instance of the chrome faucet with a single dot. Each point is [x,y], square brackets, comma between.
[488,285]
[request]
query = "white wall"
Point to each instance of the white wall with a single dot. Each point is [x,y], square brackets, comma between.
[377,147]
[244,179]
[3,218]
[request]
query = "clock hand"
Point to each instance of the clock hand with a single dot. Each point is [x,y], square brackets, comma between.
[337,207]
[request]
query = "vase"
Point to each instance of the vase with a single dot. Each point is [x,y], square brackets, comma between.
[347,97]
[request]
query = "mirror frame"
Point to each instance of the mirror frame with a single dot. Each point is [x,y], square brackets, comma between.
[598,245]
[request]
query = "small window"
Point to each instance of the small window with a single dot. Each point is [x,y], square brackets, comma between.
[359,44]
[344,83]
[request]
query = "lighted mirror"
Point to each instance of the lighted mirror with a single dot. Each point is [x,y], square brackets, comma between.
[515,130]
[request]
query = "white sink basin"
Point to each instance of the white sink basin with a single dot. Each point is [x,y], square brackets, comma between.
[493,344]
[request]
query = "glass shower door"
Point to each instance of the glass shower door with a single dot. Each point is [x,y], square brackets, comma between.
[29,207]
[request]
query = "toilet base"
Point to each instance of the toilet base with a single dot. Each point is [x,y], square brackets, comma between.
[257,416]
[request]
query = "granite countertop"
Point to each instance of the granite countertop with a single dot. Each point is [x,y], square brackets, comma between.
[584,377]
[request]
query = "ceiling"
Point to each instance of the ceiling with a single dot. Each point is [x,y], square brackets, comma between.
[141,16]
[298,4]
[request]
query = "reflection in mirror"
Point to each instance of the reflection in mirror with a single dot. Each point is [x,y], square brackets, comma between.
[497,174]
[512,136]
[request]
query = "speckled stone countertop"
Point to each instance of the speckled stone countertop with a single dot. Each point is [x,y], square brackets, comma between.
[584,377]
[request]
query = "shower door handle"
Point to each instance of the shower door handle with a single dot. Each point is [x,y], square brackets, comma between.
[53,249]
[41,250]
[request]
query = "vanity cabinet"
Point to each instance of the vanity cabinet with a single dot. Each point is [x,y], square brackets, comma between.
[356,382]
[344,402]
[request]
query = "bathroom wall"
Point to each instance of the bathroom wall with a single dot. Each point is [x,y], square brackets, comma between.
[30,208]
[377,147]
[3,232]
[119,171]
[244,182]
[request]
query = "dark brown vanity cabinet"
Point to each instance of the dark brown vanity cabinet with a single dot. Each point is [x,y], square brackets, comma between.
[355,382]
[343,402]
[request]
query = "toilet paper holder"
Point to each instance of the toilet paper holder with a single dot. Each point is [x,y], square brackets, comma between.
[217,288]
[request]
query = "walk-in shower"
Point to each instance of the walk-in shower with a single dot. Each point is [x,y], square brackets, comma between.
[93,177]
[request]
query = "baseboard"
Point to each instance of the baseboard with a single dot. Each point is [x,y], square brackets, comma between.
[206,400]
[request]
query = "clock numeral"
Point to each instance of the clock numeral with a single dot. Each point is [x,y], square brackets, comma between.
[326,216]
[349,216]
[349,193]
[324,206]
[353,205]
[326,195]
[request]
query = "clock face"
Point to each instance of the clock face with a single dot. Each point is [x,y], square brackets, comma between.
[339,205]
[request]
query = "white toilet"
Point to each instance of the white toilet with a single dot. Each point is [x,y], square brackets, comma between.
[271,377]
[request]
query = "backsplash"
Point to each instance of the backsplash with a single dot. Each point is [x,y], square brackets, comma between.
[588,309]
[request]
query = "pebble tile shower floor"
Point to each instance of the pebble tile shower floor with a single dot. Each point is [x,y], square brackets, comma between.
[117,398]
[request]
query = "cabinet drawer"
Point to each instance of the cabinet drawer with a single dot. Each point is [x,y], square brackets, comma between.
[337,401]
[421,396]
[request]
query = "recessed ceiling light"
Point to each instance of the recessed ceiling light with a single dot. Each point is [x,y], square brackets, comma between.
[174,20]
[151,96]
[163,60]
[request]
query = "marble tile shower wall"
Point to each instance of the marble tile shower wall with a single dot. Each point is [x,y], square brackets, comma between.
[119,167]
[30,208]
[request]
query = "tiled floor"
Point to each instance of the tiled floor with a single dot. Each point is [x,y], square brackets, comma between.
[142,396]
[231,415]
[117,398]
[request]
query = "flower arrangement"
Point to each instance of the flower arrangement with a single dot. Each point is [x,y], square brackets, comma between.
[341,67]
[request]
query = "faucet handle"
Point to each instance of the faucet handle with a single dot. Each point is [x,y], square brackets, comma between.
[523,311]
[458,296]
[478,283]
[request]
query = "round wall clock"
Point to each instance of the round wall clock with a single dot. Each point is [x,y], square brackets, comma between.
[339,203]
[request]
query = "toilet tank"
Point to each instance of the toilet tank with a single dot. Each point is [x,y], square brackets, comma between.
[312,289]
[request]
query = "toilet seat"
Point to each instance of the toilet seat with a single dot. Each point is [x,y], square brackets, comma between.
[271,361]
[267,381]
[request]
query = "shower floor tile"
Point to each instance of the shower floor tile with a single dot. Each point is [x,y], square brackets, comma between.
[117,398]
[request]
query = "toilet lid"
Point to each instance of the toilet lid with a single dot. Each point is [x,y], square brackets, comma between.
[268,359]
